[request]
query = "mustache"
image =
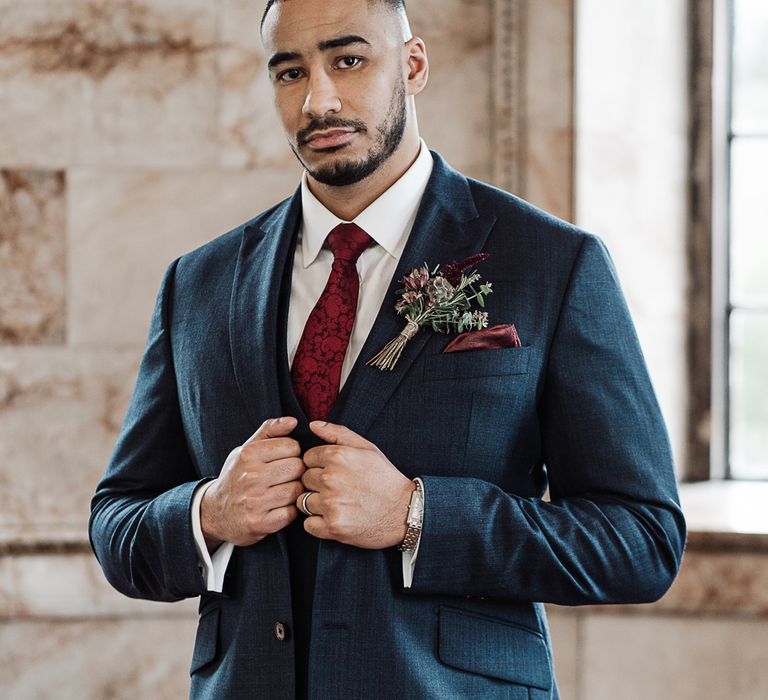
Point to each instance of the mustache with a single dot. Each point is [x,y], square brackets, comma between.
[315,125]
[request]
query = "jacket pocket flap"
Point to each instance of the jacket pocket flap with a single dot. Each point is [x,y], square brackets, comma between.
[493,648]
[206,641]
[487,362]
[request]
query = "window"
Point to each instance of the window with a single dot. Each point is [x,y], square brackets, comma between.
[745,238]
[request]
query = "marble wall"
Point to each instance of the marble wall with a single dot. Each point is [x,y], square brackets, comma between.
[132,132]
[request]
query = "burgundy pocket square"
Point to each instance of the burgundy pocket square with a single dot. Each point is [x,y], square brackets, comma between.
[501,336]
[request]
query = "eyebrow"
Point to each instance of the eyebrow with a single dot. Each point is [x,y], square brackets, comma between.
[284,56]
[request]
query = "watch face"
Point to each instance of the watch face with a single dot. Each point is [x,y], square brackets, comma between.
[416,512]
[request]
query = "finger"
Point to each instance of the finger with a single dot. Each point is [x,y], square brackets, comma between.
[283,495]
[273,427]
[339,435]
[312,479]
[315,526]
[281,471]
[271,449]
[318,457]
[313,503]
[279,518]
[324,455]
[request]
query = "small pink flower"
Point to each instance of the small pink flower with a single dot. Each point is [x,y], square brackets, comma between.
[407,299]
[417,279]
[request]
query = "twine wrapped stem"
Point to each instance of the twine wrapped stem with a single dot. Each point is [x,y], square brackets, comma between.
[388,356]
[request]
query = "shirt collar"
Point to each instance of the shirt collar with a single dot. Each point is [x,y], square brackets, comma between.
[388,220]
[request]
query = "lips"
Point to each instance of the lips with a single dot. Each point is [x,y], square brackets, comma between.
[328,139]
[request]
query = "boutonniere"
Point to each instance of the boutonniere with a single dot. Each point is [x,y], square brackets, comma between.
[441,300]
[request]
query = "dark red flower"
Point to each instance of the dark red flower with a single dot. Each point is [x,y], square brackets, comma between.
[453,271]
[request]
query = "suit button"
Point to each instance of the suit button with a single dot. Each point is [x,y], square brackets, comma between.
[280,631]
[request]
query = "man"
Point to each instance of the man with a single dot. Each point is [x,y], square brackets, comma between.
[223,485]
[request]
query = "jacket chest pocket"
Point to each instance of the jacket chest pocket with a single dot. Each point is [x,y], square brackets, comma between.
[494,362]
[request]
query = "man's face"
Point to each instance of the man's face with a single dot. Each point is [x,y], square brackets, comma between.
[336,67]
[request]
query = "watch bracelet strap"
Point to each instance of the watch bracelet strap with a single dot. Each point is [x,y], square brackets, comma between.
[413,534]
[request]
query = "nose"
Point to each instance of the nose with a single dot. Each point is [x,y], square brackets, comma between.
[322,97]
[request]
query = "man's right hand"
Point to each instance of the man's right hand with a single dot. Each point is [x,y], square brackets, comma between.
[255,493]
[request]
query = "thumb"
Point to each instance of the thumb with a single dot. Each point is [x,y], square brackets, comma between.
[335,434]
[273,427]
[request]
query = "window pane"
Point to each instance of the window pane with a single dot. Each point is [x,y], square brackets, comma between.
[749,395]
[749,221]
[750,66]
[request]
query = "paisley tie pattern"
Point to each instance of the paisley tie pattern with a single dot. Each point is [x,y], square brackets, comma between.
[316,369]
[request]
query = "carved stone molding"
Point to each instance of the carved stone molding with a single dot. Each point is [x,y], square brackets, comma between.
[533,105]
[508,94]
[699,242]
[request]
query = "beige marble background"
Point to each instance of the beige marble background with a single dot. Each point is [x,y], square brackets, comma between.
[132,132]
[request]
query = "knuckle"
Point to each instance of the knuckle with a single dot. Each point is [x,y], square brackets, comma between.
[248,451]
[249,510]
[334,528]
[254,527]
[293,447]
[294,467]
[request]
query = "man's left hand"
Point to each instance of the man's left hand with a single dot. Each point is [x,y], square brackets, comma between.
[360,497]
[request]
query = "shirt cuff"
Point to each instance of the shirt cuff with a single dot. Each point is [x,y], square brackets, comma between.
[213,567]
[409,558]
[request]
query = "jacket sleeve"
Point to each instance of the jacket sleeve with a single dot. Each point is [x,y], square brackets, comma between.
[613,531]
[140,526]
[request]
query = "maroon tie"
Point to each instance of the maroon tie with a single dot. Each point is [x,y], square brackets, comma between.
[316,369]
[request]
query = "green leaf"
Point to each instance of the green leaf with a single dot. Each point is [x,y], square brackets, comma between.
[480,300]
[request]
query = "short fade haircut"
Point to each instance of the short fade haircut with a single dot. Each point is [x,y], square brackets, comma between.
[394,5]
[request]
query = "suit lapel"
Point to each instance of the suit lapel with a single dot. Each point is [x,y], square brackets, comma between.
[447,228]
[264,252]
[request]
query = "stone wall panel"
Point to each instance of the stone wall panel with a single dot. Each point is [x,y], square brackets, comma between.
[60,412]
[115,84]
[32,257]
[126,227]
[95,660]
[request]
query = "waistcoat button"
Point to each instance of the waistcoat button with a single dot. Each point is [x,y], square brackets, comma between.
[280,632]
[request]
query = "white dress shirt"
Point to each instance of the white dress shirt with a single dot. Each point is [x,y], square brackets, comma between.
[388,221]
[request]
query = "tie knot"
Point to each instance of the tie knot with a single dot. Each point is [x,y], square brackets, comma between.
[348,241]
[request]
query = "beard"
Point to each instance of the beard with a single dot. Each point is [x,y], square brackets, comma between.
[389,135]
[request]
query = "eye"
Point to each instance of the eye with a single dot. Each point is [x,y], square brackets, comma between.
[288,76]
[349,61]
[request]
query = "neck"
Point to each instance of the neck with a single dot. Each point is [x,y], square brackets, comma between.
[347,202]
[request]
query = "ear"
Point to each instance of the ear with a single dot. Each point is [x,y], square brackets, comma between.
[417,65]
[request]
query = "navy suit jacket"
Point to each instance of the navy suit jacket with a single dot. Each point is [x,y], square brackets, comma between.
[487,430]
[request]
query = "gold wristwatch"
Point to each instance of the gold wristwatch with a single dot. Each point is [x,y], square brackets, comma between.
[414,520]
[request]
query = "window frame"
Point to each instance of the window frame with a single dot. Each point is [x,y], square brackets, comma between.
[716,28]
